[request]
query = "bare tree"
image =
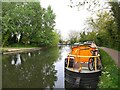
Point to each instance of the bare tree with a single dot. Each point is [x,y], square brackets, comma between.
[74,36]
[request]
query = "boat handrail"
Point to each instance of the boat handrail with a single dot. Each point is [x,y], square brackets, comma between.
[83,56]
[69,55]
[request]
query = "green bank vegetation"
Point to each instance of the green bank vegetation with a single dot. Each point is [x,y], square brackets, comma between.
[28,24]
[110,74]
[105,29]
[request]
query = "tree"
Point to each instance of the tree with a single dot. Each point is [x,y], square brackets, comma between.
[73,36]
[106,28]
[27,23]
[115,8]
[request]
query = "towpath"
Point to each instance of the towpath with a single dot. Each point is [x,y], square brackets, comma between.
[114,54]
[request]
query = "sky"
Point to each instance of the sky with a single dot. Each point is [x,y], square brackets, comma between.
[67,18]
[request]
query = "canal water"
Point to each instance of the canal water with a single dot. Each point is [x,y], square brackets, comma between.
[37,69]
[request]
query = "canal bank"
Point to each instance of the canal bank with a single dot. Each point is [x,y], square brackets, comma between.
[110,74]
[11,50]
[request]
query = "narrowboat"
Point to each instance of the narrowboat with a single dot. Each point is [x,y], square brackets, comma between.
[83,65]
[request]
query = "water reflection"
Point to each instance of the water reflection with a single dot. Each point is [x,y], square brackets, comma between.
[81,82]
[59,66]
[29,54]
[13,61]
[34,69]
[16,60]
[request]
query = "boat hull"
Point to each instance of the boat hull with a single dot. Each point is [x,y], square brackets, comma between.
[82,80]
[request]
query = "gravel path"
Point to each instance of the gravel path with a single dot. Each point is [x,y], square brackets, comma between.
[114,54]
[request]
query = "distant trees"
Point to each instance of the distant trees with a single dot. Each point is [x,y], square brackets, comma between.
[106,28]
[73,36]
[27,23]
[87,36]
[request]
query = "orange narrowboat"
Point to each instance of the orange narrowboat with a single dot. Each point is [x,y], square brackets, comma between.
[83,63]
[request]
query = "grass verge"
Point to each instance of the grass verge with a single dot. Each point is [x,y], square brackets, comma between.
[111,73]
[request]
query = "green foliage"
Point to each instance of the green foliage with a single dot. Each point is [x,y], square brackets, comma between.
[73,36]
[34,24]
[106,28]
[86,37]
[110,73]
[115,7]
[104,31]
[55,39]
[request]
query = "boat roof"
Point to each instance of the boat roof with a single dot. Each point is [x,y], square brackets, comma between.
[83,43]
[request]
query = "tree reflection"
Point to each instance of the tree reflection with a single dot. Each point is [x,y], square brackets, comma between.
[36,71]
[49,75]
[16,60]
